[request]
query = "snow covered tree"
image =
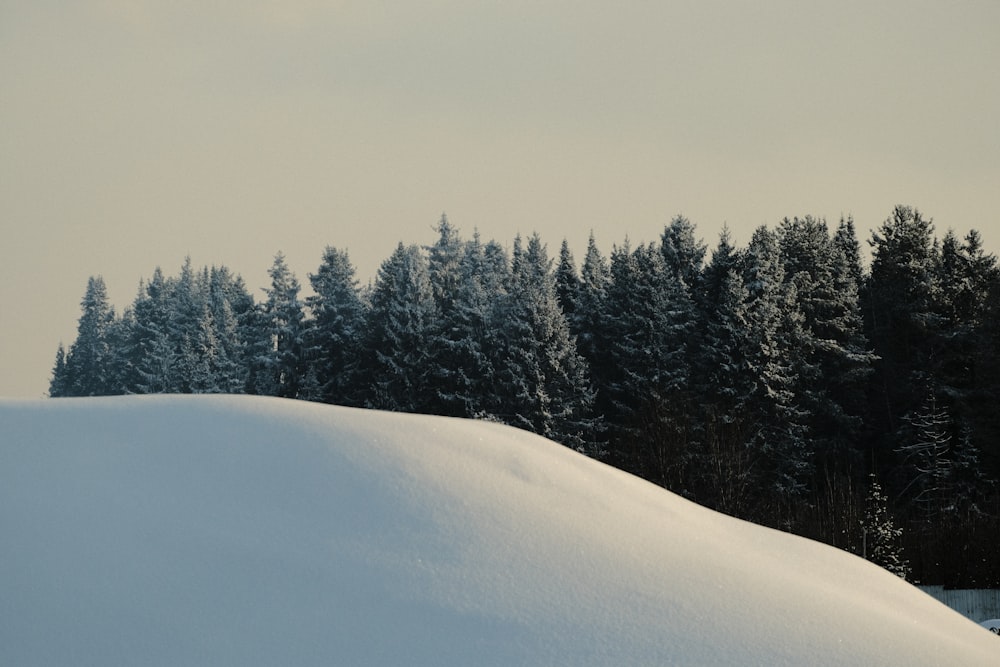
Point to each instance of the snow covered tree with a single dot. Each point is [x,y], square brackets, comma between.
[881,537]
[155,356]
[444,260]
[229,305]
[400,327]
[567,281]
[57,384]
[927,453]
[467,338]
[837,361]
[452,343]
[279,364]
[336,329]
[720,464]
[542,380]
[88,361]
[775,360]
[901,311]
[683,253]
[650,323]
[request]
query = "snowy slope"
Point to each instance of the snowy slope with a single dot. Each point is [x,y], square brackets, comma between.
[253,531]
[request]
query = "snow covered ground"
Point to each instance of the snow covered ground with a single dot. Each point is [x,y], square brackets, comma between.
[253,531]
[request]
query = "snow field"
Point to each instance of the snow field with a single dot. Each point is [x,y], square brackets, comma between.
[182,530]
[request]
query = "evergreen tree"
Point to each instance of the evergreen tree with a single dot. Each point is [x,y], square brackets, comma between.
[720,463]
[154,354]
[543,379]
[467,341]
[121,371]
[201,354]
[567,281]
[589,326]
[650,322]
[58,383]
[444,260]
[900,311]
[336,329]
[446,376]
[965,274]
[88,361]
[881,536]
[400,329]
[279,363]
[846,240]
[230,304]
[683,253]
[836,362]
[775,359]
[927,454]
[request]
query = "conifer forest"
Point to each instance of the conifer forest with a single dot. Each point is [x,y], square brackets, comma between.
[787,382]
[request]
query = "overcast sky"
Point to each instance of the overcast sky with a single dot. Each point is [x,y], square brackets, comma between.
[135,133]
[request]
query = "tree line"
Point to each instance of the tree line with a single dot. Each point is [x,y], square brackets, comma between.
[781,382]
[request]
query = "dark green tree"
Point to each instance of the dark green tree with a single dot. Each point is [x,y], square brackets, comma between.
[399,335]
[89,361]
[336,329]
[279,364]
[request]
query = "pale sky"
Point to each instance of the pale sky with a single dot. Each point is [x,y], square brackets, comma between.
[135,133]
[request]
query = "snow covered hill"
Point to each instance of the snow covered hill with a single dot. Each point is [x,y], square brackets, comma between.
[253,531]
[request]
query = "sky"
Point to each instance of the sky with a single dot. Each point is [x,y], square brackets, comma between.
[136,133]
[240,530]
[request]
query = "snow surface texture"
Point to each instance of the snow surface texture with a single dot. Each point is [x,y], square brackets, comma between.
[251,531]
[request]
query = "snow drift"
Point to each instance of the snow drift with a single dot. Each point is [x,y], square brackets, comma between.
[253,531]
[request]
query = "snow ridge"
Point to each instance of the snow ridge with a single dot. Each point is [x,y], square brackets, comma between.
[182,530]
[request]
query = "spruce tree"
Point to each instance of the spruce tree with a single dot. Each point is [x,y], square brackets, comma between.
[567,281]
[58,382]
[544,382]
[399,332]
[279,363]
[880,534]
[683,253]
[88,361]
[902,321]
[775,359]
[335,330]
[650,322]
[720,464]
[467,339]
[836,361]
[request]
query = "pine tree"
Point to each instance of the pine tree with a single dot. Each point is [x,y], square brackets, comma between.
[154,354]
[836,362]
[467,338]
[444,260]
[230,304]
[121,372]
[720,463]
[900,311]
[589,326]
[205,356]
[58,382]
[336,329]
[683,253]
[926,452]
[447,376]
[567,281]
[544,383]
[279,363]
[400,327]
[88,360]
[650,321]
[775,362]
[880,534]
